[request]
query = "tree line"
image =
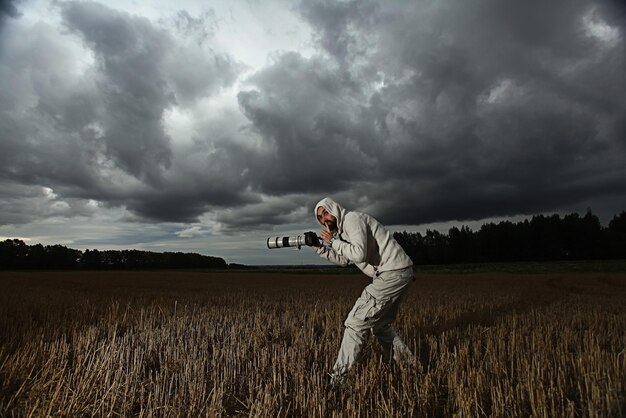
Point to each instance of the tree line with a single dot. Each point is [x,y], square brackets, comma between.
[543,238]
[16,254]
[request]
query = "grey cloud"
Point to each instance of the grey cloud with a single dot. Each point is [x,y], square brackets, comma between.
[287,209]
[303,109]
[22,204]
[200,29]
[205,176]
[96,131]
[194,75]
[8,9]
[42,112]
[335,23]
[486,109]
[466,200]
[192,72]
[614,11]
[482,110]
[134,91]
[143,72]
[131,236]
[188,196]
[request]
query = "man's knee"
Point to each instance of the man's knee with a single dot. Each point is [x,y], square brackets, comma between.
[355,324]
[384,333]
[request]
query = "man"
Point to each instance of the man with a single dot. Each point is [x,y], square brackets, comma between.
[354,237]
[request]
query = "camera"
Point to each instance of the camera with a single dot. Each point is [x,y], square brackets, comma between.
[309,239]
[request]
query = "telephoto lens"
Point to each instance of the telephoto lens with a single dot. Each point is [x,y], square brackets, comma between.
[298,241]
[281,242]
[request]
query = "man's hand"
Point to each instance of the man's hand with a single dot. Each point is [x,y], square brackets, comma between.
[311,239]
[326,234]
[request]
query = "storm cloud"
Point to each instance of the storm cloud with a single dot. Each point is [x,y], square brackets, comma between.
[8,9]
[435,111]
[83,108]
[417,112]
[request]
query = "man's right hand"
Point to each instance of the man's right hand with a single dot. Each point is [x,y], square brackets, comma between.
[311,239]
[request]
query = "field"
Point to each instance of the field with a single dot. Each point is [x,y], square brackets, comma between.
[261,344]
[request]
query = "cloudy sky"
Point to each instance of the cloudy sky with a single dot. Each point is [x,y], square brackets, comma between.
[208,126]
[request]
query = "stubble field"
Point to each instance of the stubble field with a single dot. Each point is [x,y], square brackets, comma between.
[261,344]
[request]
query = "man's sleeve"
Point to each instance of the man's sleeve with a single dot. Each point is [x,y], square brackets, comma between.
[332,256]
[356,249]
[367,269]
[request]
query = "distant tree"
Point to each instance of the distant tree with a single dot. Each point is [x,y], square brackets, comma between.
[618,223]
[91,260]
[616,236]
[413,245]
[462,244]
[437,247]
[546,239]
[591,245]
[37,257]
[61,257]
[13,253]
[488,242]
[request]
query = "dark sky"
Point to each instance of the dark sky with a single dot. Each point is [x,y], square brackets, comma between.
[207,126]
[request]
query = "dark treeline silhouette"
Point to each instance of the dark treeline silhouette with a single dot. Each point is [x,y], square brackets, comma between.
[543,238]
[15,254]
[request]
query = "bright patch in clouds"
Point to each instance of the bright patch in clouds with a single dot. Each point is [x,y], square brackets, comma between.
[193,231]
[596,27]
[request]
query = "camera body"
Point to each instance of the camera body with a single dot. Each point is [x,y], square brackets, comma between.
[309,239]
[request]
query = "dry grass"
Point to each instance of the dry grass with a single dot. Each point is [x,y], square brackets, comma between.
[213,344]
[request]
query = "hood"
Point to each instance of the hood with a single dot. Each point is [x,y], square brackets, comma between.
[334,209]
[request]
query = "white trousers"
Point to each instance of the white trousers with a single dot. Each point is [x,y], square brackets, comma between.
[374,311]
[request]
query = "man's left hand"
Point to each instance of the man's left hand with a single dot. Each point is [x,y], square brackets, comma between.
[326,235]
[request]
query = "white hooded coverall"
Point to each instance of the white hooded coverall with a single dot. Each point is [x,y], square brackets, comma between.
[362,240]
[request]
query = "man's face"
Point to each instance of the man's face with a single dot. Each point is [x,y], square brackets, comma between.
[324,217]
